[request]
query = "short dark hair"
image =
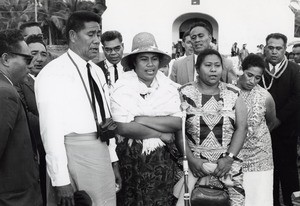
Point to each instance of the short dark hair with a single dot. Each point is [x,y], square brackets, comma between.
[205,53]
[29,24]
[77,19]
[186,33]
[296,45]
[111,35]
[9,41]
[253,60]
[200,24]
[277,36]
[35,39]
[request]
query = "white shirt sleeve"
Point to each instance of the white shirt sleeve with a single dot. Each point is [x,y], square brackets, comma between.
[49,95]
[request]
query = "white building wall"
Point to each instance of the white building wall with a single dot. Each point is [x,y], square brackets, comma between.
[242,21]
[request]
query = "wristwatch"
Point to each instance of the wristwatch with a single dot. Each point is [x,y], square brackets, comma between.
[231,155]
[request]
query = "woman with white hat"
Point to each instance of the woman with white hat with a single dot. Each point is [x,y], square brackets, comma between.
[146,106]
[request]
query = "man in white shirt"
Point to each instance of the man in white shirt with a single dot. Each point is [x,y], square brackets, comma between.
[67,93]
[113,47]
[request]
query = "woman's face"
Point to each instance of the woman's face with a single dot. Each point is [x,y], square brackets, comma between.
[250,78]
[146,66]
[210,70]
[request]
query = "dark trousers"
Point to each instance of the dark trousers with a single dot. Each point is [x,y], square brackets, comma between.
[285,165]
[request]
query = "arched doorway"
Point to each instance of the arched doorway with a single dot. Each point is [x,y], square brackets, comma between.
[184,21]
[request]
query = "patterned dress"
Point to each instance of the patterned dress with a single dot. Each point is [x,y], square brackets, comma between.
[257,149]
[210,126]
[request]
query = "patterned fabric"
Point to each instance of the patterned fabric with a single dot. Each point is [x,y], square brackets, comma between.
[257,149]
[210,120]
[146,179]
[209,129]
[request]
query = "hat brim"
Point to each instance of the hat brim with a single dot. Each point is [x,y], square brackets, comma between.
[163,61]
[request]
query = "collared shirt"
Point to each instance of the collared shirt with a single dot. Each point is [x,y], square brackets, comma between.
[64,108]
[111,70]
[277,67]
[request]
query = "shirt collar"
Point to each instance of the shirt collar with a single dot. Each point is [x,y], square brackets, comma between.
[81,63]
[7,79]
[111,65]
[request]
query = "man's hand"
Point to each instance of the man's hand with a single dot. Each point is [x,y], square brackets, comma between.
[65,195]
[224,165]
[196,167]
[118,178]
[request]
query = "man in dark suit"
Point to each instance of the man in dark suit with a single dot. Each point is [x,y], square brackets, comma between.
[26,91]
[112,46]
[19,178]
[282,80]
[183,70]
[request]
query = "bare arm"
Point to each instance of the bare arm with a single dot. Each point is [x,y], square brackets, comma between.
[166,124]
[271,119]
[135,130]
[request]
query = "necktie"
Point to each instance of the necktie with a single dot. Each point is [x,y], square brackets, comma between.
[95,92]
[273,70]
[116,72]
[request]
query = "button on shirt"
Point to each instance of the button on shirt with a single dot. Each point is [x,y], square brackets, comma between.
[64,109]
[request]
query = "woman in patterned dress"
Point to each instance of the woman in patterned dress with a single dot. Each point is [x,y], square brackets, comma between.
[215,125]
[257,149]
[146,106]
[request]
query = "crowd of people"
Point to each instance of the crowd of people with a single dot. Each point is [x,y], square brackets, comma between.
[79,132]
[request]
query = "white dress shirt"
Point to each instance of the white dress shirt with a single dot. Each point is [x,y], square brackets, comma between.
[111,70]
[64,108]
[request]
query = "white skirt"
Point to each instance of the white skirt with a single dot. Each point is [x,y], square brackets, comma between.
[258,188]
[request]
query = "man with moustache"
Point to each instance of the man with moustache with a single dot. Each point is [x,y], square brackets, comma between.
[19,177]
[73,100]
[282,80]
[183,71]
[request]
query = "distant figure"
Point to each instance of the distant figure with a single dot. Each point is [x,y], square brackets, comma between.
[31,28]
[296,52]
[282,80]
[243,53]
[19,176]
[235,50]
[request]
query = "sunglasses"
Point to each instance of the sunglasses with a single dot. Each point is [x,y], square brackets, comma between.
[28,58]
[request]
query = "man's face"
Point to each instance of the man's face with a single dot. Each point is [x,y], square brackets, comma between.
[19,63]
[275,50]
[200,38]
[296,52]
[87,41]
[34,30]
[39,52]
[187,44]
[113,50]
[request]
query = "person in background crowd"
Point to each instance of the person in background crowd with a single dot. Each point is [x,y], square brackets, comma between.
[19,177]
[113,47]
[31,28]
[146,106]
[188,50]
[69,87]
[235,50]
[296,52]
[216,127]
[282,80]
[257,148]
[183,71]
[243,53]
[26,91]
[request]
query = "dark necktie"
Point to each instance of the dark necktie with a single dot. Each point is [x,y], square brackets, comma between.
[95,92]
[116,72]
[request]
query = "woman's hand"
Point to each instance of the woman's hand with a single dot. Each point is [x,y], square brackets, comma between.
[223,166]
[196,167]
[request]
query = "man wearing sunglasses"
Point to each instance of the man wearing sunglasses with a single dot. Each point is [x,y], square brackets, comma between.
[19,177]
[112,46]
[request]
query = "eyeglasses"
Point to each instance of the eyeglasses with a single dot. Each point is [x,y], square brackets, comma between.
[109,50]
[28,58]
